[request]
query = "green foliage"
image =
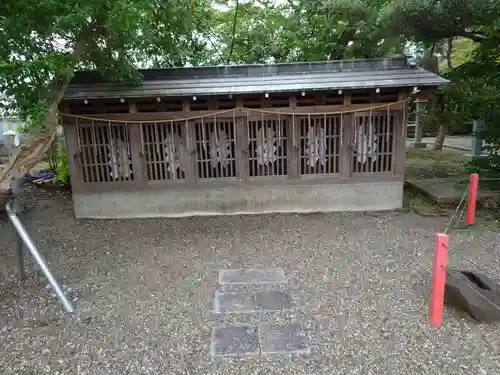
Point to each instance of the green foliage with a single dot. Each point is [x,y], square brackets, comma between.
[52,156]
[434,20]
[466,35]
[463,51]
[302,30]
[42,42]
[63,169]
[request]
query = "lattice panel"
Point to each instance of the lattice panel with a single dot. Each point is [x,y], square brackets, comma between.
[320,142]
[105,152]
[267,147]
[373,144]
[215,146]
[165,151]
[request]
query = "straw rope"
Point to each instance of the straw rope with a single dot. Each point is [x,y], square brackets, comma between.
[262,111]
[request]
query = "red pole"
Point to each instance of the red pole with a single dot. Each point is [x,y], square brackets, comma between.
[438,279]
[471,201]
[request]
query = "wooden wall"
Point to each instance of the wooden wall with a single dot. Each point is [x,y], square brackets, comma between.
[144,142]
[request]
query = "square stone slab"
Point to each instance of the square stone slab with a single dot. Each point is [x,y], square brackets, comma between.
[237,302]
[283,340]
[273,300]
[234,341]
[252,276]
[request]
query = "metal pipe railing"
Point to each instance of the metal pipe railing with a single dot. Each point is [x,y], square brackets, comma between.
[68,307]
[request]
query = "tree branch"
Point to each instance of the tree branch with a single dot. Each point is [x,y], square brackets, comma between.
[234,32]
[339,51]
[39,142]
[473,36]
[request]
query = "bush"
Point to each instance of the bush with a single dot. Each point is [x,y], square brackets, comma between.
[63,169]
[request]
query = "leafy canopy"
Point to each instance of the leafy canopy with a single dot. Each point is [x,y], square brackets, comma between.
[42,42]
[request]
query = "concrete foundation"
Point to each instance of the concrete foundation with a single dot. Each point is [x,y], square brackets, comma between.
[413,144]
[470,157]
[238,199]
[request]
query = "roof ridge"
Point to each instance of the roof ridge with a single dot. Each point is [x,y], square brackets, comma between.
[257,70]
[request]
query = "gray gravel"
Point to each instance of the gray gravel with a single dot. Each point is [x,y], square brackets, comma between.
[144,292]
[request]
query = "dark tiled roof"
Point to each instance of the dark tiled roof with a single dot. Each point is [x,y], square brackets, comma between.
[240,79]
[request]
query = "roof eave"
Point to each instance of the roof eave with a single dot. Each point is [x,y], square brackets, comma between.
[124,93]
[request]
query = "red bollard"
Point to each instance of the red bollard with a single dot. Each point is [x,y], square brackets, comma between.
[471,201]
[438,279]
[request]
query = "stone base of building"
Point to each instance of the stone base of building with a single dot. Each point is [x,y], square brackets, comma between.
[235,199]
[413,144]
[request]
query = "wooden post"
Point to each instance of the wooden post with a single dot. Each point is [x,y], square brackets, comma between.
[73,152]
[440,263]
[189,138]
[472,199]
[293,141]
[16,187]
[136,148]
[347,98]
[132,107]
[399,135]
[242,145]
[420,104]
[347,149]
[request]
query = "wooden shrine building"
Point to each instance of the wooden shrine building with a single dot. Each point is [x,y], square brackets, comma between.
[306,137]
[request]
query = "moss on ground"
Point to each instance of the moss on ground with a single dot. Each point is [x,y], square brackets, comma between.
[429,163]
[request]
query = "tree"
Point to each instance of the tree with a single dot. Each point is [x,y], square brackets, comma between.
[304,30]
[435,20]
[43,42]
[437,23]
[249,32]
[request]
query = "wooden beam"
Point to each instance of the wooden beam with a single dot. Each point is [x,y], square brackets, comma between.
[347,97]
[400,133]
[242,127]
[167,116]
[160,105]
[293,144]
[186,106]
[99,105]
[346,147]
[374,96]
[212,103]
[319,98]
[73,153]
[189,137]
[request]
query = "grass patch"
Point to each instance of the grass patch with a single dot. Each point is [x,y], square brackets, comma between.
[484,183]
[429,163]
[423,206]
[486,214]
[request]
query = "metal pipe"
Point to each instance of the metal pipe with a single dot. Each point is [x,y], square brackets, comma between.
[20,256]
[68,307]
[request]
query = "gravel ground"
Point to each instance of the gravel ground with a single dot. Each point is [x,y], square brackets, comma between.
[144,292]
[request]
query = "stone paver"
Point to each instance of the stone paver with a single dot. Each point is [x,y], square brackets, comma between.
[283,340]
[235,341]
[248,302]
[463,142]
[252,276]
[273,300]
[445,190]
[237,302]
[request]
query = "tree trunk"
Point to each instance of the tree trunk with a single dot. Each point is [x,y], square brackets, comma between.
[438,143]
[38,143]
[449,52]
[342,43]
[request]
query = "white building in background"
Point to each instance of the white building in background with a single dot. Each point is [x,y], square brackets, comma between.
[10,125]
